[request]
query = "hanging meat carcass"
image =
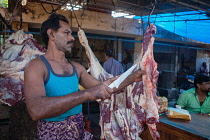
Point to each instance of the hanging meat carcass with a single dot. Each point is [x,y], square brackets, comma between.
[149,100]
[17,51]
[124,115]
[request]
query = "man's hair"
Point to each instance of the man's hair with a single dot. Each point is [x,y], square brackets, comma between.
[109,53]
[199,79]
[51,23]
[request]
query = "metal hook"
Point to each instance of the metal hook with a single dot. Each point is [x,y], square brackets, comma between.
[153,7]
[21,18]
[72,8]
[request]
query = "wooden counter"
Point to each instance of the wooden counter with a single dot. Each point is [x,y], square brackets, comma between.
[176,129]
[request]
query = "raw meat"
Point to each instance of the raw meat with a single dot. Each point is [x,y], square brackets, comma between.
[124,115]
[17,51]
[149,65]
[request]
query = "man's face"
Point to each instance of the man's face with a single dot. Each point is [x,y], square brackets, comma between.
[205,86]
[63,38]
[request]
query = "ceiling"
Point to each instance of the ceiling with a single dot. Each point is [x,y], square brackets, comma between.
[138,7]
[188,18]
[178,16]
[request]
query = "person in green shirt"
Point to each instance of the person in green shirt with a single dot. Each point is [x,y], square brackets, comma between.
[197,99]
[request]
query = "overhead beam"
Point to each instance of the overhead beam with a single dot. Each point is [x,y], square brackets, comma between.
[200,2]
[51,2]
[191,6]
[181,20]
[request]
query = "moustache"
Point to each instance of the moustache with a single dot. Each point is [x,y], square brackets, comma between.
[69,42]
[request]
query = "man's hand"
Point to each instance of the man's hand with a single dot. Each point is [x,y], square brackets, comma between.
[137,75]
[205,114]
[101,91]
[134,77]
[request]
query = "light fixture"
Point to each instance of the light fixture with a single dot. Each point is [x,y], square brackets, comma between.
[75,7]
[119,14]
[24,2]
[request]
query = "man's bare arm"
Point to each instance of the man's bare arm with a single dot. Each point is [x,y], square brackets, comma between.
[134,77]
[85,77]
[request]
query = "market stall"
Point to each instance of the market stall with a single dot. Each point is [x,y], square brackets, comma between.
[177,129]
[129,114]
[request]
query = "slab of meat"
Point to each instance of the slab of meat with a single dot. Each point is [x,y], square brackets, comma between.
[17,51]
[124,115]
[150,99]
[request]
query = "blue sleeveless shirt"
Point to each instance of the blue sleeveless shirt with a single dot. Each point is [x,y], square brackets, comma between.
[59,85]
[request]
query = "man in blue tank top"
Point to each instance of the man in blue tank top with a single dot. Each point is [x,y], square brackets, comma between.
[51,85]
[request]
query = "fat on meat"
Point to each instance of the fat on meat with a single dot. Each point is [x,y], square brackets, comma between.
[124,115]
[17,51]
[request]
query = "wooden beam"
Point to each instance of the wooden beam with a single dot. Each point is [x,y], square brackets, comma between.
[16,26]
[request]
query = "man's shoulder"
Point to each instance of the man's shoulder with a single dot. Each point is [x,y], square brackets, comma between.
[35,63]
[107,62]
[36,60]
[78,66]
[189,91]
[117,62]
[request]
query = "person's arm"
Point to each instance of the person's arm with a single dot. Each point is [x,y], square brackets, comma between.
[134,77]
[207,71]
[85,77]
[41,107]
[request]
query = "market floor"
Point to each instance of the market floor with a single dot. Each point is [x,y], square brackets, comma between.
[94,123]
[4,127]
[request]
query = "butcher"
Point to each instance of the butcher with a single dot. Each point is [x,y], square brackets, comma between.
[51,84]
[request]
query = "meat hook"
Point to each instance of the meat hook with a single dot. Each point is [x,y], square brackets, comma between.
[153,7]
[21,18]
[74,14]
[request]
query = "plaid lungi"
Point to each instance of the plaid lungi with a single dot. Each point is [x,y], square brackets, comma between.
[71,128]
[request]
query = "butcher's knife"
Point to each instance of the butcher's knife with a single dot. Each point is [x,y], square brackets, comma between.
[116,83]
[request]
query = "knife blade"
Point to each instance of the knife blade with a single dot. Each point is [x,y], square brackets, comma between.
[116,83]
[122,77]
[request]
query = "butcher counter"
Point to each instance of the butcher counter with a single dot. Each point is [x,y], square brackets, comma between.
[176,129]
